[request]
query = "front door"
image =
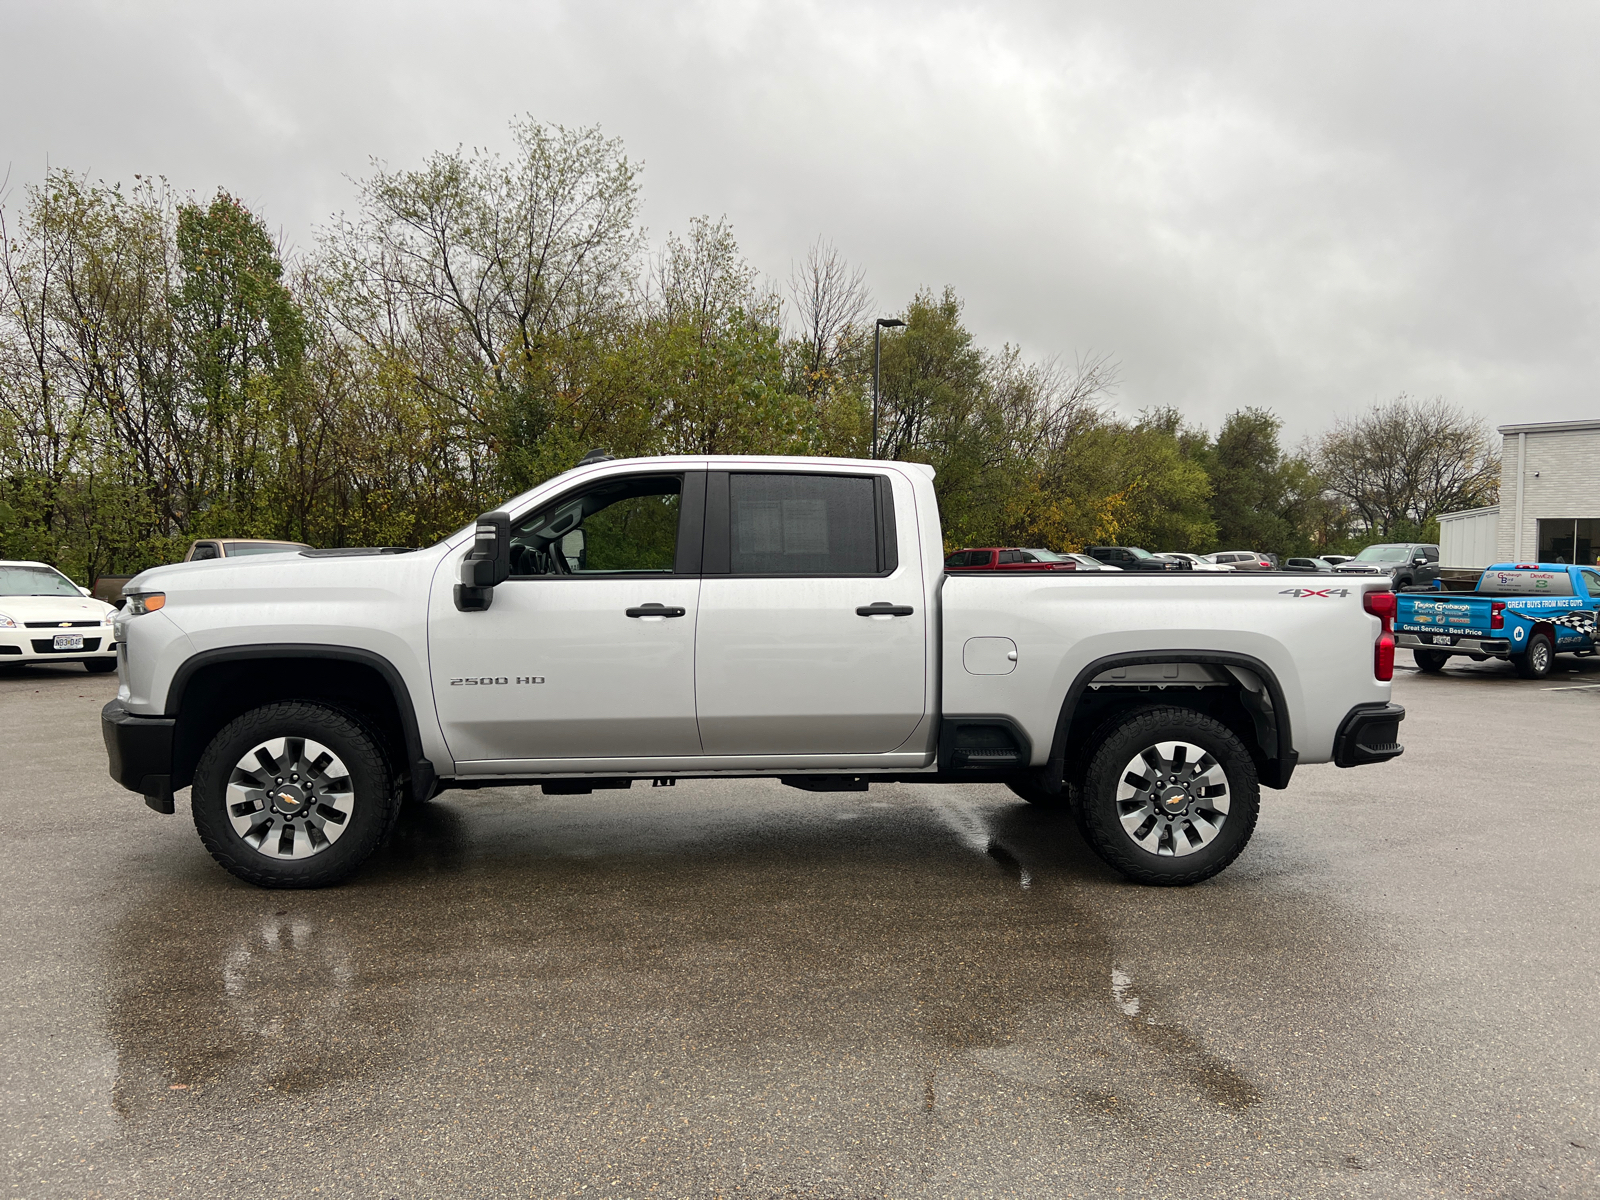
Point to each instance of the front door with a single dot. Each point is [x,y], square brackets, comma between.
[587,651]
[786,661]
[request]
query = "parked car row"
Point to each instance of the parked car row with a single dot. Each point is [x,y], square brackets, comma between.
[1406,564]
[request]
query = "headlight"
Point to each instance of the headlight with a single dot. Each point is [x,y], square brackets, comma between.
[140,603]
[110,618]
[6,622]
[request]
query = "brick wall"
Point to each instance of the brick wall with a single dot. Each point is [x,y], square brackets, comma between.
[1568,484]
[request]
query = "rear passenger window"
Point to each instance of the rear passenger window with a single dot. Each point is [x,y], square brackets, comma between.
[1009,556]
[793,524]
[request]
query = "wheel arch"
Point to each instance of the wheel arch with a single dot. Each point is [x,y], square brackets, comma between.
[215,686]
[1268,736]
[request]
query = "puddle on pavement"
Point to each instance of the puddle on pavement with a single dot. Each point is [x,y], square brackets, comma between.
[772,974]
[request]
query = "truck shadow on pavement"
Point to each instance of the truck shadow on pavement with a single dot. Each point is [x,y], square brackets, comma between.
[732,986]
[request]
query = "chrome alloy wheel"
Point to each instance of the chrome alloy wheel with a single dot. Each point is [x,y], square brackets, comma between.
[1172,798]
[1539,656]
[290,797]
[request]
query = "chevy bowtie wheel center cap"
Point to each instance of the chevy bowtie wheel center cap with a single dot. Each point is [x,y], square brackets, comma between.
[1174,799]
[288,800]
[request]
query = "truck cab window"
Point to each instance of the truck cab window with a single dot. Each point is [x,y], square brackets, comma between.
[792,524]
[618,527]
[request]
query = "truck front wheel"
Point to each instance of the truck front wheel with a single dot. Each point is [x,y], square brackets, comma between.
[1170,796]
[293,795]
[1535,662]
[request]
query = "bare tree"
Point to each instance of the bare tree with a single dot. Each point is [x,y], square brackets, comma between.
[1403,463]
[831,306]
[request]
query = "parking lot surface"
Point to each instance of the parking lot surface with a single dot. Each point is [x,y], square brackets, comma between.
[738,989]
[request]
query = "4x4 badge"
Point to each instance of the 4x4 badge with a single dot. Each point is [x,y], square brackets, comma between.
[1322,592]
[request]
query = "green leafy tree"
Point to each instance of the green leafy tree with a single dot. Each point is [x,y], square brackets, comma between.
[242,346]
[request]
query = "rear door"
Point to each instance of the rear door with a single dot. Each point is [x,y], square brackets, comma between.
[813,629]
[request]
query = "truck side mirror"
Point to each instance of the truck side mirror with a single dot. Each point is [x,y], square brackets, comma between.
[487,564]
[574,548]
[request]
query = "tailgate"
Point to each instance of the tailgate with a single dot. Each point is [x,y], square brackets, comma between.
[1420,613]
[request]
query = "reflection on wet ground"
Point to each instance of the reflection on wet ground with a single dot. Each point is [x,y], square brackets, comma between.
[737,989]
[767,992]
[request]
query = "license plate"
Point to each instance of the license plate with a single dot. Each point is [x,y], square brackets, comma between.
[1443,639]
[69,641]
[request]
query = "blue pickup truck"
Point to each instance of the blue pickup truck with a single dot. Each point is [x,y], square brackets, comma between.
[1527,612]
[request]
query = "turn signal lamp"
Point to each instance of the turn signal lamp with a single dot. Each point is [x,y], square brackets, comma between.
[140,603]
[1382,606]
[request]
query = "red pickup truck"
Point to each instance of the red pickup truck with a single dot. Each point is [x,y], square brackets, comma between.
[1008,558]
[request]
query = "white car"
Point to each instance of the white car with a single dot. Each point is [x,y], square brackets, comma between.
[1085,563]
[45,617]
[1199,563]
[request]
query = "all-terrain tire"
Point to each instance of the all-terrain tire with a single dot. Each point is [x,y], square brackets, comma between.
[1109,803]
[1431,661]
[373,808]
[1535,662]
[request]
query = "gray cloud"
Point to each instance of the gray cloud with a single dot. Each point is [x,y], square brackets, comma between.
[1306,207]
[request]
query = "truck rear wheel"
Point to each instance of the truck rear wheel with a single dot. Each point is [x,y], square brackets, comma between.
[1535,662]
[1431,661]
[1170,796]
[293,795]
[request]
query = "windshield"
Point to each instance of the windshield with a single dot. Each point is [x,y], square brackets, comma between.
[35,581]
[1046,555]
[1384,554]
[1138,553]
[237,548]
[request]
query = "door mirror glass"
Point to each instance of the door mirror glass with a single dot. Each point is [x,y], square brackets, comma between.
[575,549]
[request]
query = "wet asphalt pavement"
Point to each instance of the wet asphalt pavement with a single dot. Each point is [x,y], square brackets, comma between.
[742,990]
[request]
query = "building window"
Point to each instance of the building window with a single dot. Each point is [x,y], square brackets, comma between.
[1570,541]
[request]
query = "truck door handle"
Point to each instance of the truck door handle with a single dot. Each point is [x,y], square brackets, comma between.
[882,608]
[656,610]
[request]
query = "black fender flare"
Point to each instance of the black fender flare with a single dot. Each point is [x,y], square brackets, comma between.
[424,778]
[1281,766]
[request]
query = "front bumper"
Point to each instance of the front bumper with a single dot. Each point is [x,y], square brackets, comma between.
[1465,644]
[24,645]
[1370,733]
[140,753]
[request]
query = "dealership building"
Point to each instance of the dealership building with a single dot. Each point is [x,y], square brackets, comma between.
[1549,508]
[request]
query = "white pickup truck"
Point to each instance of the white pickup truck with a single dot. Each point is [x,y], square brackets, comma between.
[662,618]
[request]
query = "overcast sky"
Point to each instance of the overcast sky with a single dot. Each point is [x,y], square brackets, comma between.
[1307,207]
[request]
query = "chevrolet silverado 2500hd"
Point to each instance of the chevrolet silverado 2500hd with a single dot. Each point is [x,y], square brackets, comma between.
[716,616]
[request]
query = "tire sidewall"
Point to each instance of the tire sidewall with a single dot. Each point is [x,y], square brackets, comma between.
[1526,665]
[1430,661]
[371,814]
[1137,731]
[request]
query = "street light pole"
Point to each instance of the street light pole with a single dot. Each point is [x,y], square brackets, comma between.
[877,369]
